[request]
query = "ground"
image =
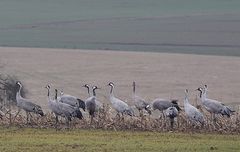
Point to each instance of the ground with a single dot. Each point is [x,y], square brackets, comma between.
[38,140]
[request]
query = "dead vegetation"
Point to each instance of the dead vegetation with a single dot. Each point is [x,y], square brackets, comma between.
[106,120]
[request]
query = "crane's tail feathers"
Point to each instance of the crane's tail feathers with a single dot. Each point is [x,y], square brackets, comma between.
[81,104]
[79,114]
[227,111]
[38,110]
[129,111]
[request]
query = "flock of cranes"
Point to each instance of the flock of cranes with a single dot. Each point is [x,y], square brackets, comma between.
[68,106]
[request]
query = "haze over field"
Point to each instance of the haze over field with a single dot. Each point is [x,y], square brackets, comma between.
[186,26]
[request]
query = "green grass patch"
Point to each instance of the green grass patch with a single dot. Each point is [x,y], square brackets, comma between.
[39,140]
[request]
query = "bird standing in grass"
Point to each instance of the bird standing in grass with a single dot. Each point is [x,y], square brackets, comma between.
[140,103]
[72,100]
[171,113]
[192,113]
[91,102]
[163,104]
[53,105]
[67,110]
[119,105]
[99,105]
[27,105]
[213,106]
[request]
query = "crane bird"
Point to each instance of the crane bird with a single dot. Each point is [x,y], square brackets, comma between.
[171,113]
[99,105]
[53,105]
[119,105]
[91,102]
[193,114]
[72,100]
[67,110]
[213,106]
[139,102]
[27,105]
[163,104]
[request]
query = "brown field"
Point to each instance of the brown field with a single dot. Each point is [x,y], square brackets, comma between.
[156,74]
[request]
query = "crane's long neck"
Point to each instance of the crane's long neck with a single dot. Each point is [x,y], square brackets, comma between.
[134,88]
[186,102]
[56,93]
[111,92]
[18,95]
[94,92]
[88,89]
[204,94]
[48,94]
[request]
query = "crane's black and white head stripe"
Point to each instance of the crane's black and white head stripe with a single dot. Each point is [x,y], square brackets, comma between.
[111,84]
[95,87]
[86,86]
[200,90]
[47,86]
[18,83]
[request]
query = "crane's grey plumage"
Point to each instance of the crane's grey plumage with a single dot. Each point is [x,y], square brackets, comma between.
[172,112]
[98,104]
[91,103]
[192,113]
[213,106]
[72,100]
[27,105]
[139,102]
[163,104]
[67,110]
[53,105]
[119,105]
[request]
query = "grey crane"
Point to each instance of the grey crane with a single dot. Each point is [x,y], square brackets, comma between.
[192,113]
[72,100]
[213,106]
[53,105]
[119,105]
[27,105]
[91,103]
[171,113]
[99,105]
[139,102]
[163,104]
[67,110]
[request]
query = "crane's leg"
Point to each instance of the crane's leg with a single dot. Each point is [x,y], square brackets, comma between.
[56,121]
[91,120]
[16,114]
[140,113]
[171,123]
[27,116]
[122,117]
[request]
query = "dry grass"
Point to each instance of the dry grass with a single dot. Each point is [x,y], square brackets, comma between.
[106,120]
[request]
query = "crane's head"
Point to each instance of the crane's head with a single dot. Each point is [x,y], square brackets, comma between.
[186,91]
[95,87]
[111,84]
[47,86]
[61,93]
[199,89]
[148,109]
[18,83]
[86,86]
